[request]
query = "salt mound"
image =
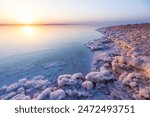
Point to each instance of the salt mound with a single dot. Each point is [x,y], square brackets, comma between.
[94,77]
[87,85]
[57,95]
[66,80]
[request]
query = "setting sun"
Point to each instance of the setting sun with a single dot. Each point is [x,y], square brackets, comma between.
[25,18]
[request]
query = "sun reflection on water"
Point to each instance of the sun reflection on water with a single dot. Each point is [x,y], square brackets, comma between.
[16,40]
[28,30]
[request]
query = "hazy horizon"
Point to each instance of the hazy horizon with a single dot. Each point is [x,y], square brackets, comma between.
[73,11]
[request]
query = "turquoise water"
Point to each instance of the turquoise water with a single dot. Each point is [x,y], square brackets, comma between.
[27,51]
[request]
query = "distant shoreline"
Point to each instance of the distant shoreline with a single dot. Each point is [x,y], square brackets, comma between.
[41,24]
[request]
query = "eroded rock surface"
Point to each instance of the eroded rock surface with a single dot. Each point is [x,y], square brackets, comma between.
[127,57]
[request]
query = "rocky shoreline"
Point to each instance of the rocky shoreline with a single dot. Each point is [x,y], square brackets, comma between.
[120,70]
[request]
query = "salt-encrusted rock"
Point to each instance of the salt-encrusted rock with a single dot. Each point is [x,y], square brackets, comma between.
[36,83]
[103,88]
[45,94]
[133,84]
[69,92]
[20,90]
[105,41]
[24,86]
[38,78]
[66,80]
[8,96]
[136,62]
[120,68]
[136,54]
[97,47]
[98,44]
[68,76]
[88,85]
[21,97]
[77,93]
[105,72]
[35,95]
[128,79]
[29,84]
[131,75]
[123,75]
[81,94]
[139,75]
[30,91]
[3,89]
[12,87]
[57,95]
[63,82]
[94,77]
[146,67]
[77,76]
[55,88]
[131,79]
[97,77]
[106,65]
[125,82]
[107,78]
[41,83]
[22,81]
[145,93]
[120,59]
[79,82]
[117,68]
[106,75]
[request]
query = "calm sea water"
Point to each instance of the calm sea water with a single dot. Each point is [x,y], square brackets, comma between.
[27,51]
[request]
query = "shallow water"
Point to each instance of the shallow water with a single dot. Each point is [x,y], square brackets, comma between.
[27,51]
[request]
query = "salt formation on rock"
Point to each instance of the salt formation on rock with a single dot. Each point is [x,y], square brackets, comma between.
[120,70]
[87,85]
[129,57]
[68,86]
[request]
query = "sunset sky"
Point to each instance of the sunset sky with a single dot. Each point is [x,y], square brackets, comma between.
[72,11]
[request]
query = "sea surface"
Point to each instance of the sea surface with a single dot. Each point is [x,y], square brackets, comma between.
[28,51]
